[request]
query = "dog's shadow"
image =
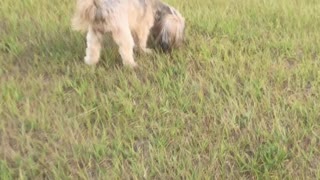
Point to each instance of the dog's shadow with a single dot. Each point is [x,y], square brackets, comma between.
[62,46]
[32,47]
[67,47]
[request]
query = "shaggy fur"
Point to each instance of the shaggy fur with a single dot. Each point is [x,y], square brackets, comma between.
[130,23]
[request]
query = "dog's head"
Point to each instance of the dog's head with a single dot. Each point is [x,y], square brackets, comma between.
[168,29]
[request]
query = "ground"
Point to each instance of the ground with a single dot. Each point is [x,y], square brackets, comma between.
[240,99]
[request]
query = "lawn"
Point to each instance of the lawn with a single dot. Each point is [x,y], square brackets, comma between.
[240,99]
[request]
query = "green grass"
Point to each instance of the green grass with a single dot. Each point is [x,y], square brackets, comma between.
[239,100]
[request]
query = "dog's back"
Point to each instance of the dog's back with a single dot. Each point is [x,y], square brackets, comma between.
[89,12]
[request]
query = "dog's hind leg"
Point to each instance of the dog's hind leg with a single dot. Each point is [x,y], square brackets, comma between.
[94,40]
[123,38]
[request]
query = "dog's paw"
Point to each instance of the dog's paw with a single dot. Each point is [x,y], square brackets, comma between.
[147,50]
[130,64]
[90,61]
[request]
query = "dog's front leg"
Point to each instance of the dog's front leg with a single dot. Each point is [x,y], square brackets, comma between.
[143,35]
[94,39]
[122,36]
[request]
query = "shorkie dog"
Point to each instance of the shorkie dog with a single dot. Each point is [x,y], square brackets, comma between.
[130,23]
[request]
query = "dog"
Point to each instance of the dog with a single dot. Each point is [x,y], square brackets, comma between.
[131,23]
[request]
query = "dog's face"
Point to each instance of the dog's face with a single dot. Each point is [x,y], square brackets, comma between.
[168,29]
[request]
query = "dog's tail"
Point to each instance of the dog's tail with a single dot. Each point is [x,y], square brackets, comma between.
[87,11]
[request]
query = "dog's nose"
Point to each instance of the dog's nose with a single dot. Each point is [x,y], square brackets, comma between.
[165,46]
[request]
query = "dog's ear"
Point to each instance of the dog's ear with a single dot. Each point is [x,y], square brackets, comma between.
[166,36]
[161,35]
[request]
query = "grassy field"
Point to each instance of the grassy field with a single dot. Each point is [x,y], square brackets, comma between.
[239,100]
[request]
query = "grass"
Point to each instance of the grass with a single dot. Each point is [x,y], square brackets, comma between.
[239,100]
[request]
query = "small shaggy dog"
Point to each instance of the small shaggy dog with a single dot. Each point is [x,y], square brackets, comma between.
[130,22]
